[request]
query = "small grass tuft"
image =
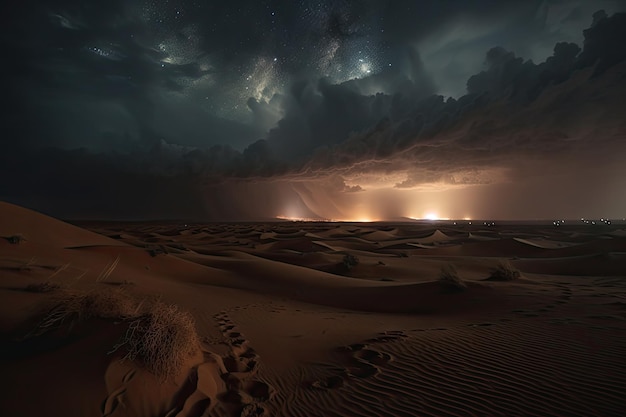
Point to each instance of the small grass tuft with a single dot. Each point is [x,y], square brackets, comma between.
[449,279]
[157,250]
[504,271]
[15,239]
[350,261]
[71,306]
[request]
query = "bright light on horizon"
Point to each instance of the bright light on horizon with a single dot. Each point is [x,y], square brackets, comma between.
[316,220]
[430,216]
[299,219]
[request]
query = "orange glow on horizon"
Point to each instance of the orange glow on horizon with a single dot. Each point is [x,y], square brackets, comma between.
[430,215]
[309,219]
[300,219]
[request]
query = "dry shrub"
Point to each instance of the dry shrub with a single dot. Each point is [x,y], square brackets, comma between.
[160,336]
[450,280]
[349,261]
[504,271]
[163,339]
[15,239]
[71,306]
[47,286]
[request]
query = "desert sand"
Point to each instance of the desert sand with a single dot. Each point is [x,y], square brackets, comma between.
[310,319]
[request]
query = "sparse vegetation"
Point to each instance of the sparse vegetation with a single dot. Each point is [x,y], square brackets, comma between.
[41,287]
[163,339]
[159,336]
[504,271]
[349,261]
[177,246]
[71,306]
[157,250]
[450,280]
[15,239]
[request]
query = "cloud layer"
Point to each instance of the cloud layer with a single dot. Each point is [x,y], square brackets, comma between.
[192,120]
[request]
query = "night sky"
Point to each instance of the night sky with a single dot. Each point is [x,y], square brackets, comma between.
[345,110]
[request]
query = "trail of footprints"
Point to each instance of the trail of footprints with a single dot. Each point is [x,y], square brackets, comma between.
[244,394]
[361,360]
[239,393]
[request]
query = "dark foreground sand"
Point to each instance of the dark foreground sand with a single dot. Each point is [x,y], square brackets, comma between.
[275,320]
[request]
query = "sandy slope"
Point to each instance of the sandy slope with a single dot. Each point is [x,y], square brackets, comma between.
[288,328]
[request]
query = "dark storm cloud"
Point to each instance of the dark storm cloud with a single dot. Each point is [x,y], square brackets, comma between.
[453,49]
[93,56]
[406,19]
[419,134]
[200,93]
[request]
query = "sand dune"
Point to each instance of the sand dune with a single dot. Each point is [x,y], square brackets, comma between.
[312,319]
[545,243]
[37,228]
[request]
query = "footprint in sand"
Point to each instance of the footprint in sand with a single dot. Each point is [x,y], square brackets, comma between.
[332,382]
[199,393]
[116,397]
[237,391]
[362,360]
[389,336]
[112,401]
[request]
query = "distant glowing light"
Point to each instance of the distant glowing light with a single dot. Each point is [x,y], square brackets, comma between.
[299,219]
[430,216]
[310,219]
[355,220]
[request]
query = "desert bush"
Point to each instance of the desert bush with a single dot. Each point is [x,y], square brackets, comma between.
[159,336]
[504,271]
[349,261]
[15,239]
[157,250]
[163,339]
[47,286]
[450,280]
[72,306]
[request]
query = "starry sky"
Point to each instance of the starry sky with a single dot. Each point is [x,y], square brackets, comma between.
[344,110]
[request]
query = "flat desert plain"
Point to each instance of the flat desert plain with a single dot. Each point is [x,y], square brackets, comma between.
[310,319]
